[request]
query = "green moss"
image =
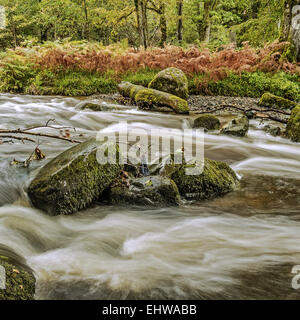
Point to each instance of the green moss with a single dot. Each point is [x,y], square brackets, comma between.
[216,179]
[173,81]
[270,100]
[20,282]
[208,122]
[72,181]
[151,98]
[293,126]
[141,77]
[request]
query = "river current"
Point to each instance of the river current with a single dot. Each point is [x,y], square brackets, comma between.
[242,245]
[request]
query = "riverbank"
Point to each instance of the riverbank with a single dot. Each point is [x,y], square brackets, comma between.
[73,69]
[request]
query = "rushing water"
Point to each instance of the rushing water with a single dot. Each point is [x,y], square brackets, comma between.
[243,245]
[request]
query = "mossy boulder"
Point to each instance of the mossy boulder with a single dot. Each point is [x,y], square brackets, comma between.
[73,180]
[150,99]
[216,179]
[153,100]
[173,81]
[19,280]
[208,122]
[293,126]
[237,127]
[153,191]
[129,90]
[270,100]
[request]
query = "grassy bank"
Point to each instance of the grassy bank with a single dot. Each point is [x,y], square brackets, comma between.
[82,70]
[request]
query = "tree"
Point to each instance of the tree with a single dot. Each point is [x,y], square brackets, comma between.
[290,25]
[180,20]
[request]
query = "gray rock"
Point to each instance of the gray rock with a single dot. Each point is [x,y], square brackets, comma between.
[237,127]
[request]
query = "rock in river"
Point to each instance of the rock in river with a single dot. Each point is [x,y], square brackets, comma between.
[16,277]
[173,81]
[153,191]
[237,127]
[208,122]
[73,180]
[216,179]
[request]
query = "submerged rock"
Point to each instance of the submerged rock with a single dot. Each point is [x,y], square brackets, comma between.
[19,279]
[148,191]
[173,81]
[293,126]
[272,130]
[270,100]
[73,180]
[150,98]
[216,179]
[208,122]
[92,106]
[237,127]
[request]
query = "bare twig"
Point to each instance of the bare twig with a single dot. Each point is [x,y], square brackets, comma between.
[16,138]
[19,131]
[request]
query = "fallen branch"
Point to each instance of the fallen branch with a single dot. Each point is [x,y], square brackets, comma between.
[19,131]
[17,138]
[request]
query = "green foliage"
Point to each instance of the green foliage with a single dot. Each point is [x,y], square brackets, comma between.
[142,77]
[247,84]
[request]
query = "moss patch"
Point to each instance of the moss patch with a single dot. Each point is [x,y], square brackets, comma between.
[151,98]
[270,100]
[20,283]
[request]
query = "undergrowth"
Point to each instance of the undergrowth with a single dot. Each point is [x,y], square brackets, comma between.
[80,69]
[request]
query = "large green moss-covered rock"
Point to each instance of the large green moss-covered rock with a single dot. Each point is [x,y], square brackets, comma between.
[19,280]
[171,80]
[216,179]
[208,122]
[154,191]
[150,98]
[293,126]
[237,127]
[270,100]
[73,180]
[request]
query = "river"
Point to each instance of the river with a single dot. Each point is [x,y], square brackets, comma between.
[243,245]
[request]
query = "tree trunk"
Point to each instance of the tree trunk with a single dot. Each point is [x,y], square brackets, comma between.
[85,30]
[204,25]
[163,24]
[290,25]
[142,21]
[180,20]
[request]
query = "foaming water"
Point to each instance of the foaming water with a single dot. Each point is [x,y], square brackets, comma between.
[242,245]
